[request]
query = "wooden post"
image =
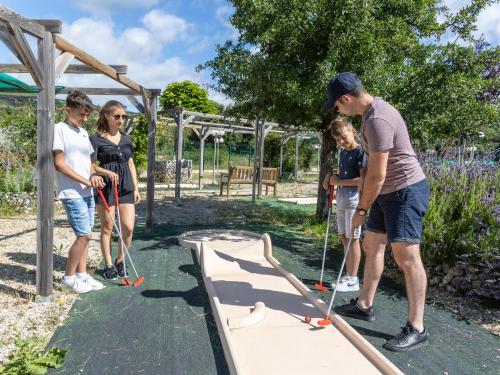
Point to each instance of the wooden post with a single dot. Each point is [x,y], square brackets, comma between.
[255,156]
[45,168]
[179,120]
[150,195]
[261,153]
[296,168]
[201,163]
[281,157]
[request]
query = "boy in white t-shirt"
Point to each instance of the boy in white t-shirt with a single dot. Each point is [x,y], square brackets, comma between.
[72,150]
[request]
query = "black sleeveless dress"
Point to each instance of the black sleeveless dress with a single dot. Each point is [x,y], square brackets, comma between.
[114,157]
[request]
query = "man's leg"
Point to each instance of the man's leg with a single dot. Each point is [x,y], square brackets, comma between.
[82,262]
[354,258]
[374,246]
[75,255]
[407,257]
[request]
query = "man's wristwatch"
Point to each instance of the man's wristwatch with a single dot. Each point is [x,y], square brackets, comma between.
[361,211]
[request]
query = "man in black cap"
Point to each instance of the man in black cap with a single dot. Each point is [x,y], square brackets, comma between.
[395,192]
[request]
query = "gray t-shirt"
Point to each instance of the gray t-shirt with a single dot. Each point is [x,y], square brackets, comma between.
[383,129]
[75,144]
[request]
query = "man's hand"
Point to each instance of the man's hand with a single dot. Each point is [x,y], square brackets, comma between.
[96,181]
[357,221]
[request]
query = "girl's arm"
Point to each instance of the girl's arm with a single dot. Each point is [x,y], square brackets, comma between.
[105,172]
[133,172]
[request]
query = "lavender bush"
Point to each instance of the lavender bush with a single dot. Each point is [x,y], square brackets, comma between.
[464,209]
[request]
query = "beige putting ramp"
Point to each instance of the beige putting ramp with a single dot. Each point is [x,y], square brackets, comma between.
[259,309]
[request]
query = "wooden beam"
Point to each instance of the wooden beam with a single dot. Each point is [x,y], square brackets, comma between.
[99,90]
[85,58]
[52,26]
[32,28]
[62,63]
[132,99]
[150,195]
[6,38]
[45,169]
[71,69]
[27,56]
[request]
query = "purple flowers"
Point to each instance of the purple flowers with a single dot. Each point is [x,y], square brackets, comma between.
[464,208]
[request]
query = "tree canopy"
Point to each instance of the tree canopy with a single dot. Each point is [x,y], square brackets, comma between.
[188,95]
[288,49]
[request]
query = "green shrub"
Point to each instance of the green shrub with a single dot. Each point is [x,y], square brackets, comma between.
[18,179]
[30,358]
[463,215]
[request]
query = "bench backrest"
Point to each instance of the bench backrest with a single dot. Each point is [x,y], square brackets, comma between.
[244,174]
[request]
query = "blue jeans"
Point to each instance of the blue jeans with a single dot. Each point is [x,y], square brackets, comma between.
[80,213]
[400,214]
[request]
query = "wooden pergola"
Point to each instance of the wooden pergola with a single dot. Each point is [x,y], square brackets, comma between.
[204,124]
[46,69]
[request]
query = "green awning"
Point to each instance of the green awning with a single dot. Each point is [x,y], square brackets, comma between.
[10,84]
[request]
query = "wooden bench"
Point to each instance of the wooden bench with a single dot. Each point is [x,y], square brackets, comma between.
[244,175]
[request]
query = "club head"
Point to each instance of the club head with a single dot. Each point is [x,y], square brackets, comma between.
[138,282]
[324,322]
[321,287]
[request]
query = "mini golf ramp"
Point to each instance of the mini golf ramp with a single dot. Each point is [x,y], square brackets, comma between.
[259,309]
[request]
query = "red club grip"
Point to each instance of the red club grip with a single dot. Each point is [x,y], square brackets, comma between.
[332,194]
[99,191]
[115,187]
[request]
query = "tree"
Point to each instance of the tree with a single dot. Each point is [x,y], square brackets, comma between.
[188,95]
[288,49]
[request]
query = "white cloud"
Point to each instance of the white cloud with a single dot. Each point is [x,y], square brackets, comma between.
[488,23]
[223,13]
[166,27]
[138,48]
[105,7]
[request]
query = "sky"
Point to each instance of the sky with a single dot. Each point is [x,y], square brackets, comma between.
[160,41]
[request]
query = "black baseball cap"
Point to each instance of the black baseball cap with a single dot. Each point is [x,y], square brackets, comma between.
[339,85]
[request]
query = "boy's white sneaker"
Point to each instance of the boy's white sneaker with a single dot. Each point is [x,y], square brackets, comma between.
[89,280]
[76,285]
[348,284]
[342,279]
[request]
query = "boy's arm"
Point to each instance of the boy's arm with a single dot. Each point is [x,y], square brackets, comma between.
[335,180]
[66,170]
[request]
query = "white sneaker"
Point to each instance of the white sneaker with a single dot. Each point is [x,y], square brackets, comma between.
[93,283]
[348,284]
[77,285]
[343,279]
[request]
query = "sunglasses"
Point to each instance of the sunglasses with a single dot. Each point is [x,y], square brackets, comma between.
[123,117]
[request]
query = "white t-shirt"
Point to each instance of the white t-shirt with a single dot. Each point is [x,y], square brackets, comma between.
[76,146]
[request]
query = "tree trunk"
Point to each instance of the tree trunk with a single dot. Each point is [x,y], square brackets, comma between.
[328,161]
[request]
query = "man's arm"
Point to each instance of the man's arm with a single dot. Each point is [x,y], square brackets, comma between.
[374,178]
[66,170]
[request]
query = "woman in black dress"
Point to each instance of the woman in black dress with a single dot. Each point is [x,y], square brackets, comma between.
[113,159]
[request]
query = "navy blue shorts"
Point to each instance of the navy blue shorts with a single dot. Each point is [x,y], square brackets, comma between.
[400,214]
